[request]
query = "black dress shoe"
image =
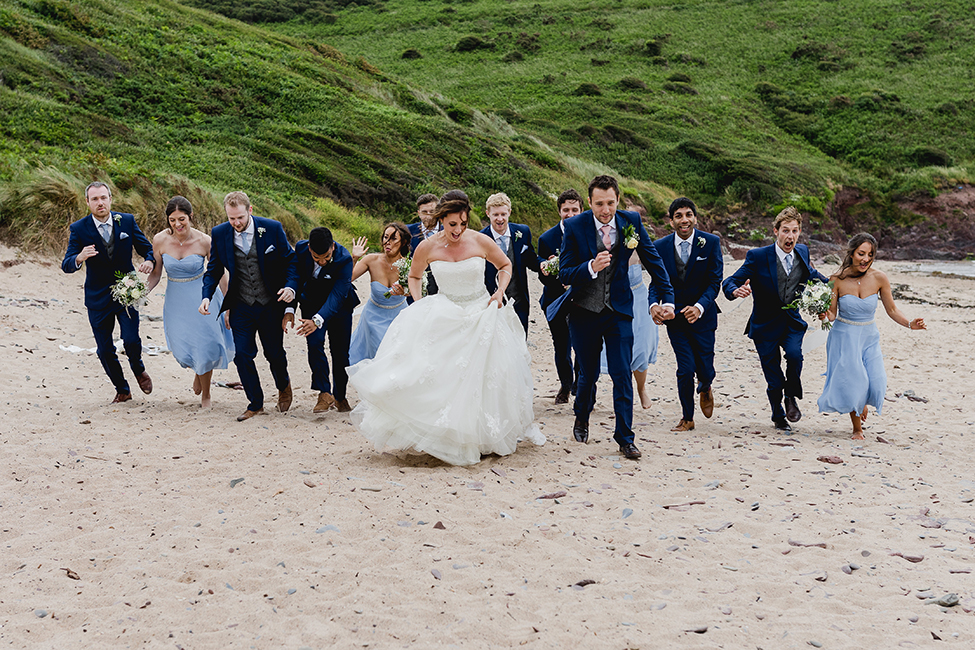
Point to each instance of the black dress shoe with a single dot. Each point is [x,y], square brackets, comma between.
[630,451]
[581,431]
[562,397]
[781,424]
[792,412]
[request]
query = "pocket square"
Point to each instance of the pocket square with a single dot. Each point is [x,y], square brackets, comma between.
[325,277]
[701,258]
[269,249]
[524,248]
[123,235]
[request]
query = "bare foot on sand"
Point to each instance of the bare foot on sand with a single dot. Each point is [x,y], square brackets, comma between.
[197,388]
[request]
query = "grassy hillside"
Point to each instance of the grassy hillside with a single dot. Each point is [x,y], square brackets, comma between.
[740,104]
[157,98]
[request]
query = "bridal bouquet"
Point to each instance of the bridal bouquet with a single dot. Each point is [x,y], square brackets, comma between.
[815,299]
[551,266]
[402,266]
[130,290]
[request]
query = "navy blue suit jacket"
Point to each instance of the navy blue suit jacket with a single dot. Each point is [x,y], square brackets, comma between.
[100,274]
[275,257]
[579,247]
[525,260]
[332,291]
[549,244]
[417,237]
[769,320]
[702,277]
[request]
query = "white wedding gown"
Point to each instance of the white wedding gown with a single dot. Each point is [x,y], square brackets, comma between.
[452,376]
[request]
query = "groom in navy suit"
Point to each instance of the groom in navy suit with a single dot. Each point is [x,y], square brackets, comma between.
[569,204]
[105,239]
[694,262]
[594,259]
[515,241]
[774,275]
[327,298]
[262,270]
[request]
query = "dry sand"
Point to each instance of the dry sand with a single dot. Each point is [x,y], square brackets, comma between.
[327,543]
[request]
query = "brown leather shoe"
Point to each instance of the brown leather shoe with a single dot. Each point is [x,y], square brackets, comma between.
[343,406]
[562,397]
[630,451]
[144,382]
[121,397]
[248,414]
[707,403]
[284,399]
[684,425]
[325,402]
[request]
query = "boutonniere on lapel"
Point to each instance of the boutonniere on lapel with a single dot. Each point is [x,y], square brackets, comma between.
[630,238]
[700,242]
[261,231]
[117,217]
[517,235]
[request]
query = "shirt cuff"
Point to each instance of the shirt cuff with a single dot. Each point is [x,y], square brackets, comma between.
[591,272]
[77,264]
[289,310]
[699,308]
[318,320]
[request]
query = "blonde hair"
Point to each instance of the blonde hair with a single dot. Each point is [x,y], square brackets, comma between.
[236,198]
[788,214]
[497,200]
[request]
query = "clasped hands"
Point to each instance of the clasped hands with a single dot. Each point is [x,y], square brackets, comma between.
[306,327]
[660,313]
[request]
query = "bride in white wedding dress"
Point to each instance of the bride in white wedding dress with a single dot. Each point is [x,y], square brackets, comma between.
[452,376]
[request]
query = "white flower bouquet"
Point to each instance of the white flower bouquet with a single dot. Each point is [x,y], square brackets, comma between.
[551,266]
[129,290]
[402,266]
[815,299]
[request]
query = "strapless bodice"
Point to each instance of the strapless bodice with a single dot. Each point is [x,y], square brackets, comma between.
[857,309]
[462,282]
[190,267]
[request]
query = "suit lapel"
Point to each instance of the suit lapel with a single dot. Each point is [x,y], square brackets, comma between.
[259,245]
[773,269]
[691,256]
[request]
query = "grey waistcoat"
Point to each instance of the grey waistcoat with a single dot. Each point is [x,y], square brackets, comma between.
[594,296]
[252,289]
[681,266]
[788,284]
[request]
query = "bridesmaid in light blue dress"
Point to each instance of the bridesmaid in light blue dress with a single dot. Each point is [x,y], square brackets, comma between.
[380,309]
[855,375]
[203,343]
[646,335]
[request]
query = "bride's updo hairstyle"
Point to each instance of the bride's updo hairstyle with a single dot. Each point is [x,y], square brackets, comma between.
[452,202]
[855,242]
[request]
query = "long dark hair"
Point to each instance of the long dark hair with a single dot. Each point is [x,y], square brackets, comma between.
[183,205]
[404,236]
[855,242]
[454,201]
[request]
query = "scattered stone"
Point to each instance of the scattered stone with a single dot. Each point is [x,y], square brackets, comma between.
[910,558]
[883,440]
[328,528]
[912,618]
[292,591]
[725,610]
[71,574]
[717,527]
[617,466]
[681,505]
[815,644]
[793,542]
[948,600]
[499,472]
[755,506]
[40,613]
[627,512]
[372,489]
[310,483]
[553,495]
[854,566]
[847,569]
[439,526]
[436,574]
[700,629]
[583,583]
[658,606]
[865,553]
[235,481]
[833,460]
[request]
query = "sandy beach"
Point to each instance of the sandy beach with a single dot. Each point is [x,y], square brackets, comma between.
[156,524]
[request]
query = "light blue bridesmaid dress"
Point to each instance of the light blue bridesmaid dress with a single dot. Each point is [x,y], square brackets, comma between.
[196,341]
[855,375]
[377,314]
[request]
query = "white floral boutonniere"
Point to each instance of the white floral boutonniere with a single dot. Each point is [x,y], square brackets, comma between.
[630,238]
[261,231]
[517,235]
[701,242]
[117,217]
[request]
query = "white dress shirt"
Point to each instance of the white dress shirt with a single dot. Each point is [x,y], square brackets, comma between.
[599,235]
[239,240]
[781,254]
[98,223]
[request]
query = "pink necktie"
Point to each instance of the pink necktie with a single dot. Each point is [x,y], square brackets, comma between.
[607,242]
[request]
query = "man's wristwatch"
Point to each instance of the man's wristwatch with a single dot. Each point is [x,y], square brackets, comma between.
[318,320]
